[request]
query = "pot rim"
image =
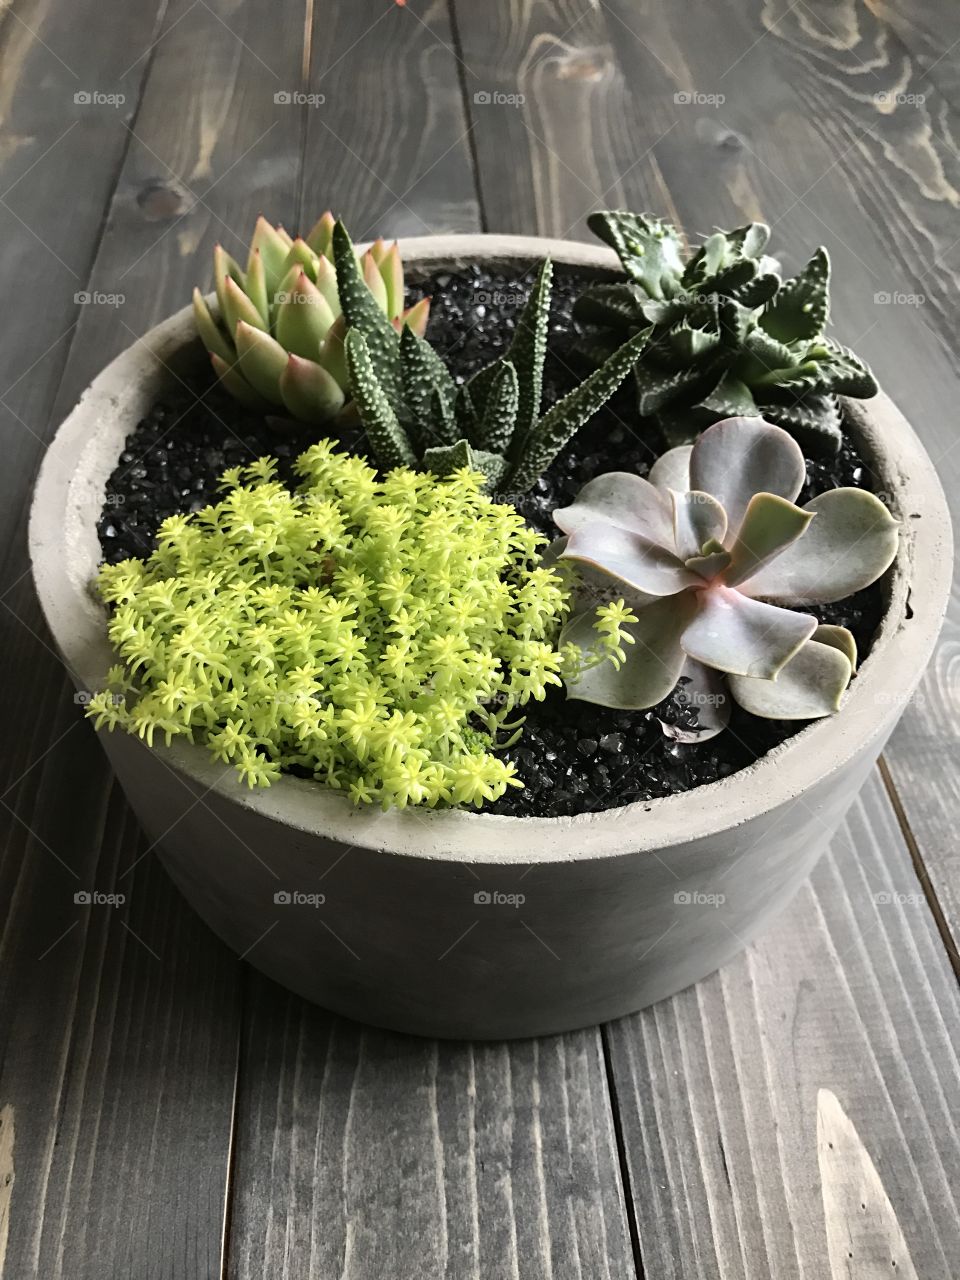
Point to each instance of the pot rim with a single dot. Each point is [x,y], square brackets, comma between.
[64,552]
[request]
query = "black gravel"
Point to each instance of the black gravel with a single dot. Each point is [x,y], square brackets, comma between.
[573,757]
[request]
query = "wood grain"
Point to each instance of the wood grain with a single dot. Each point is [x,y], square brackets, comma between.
[389,145]
[124,1021]
[362,1153]
[718,1088]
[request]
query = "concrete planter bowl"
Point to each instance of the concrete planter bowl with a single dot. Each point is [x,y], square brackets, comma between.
[468,925]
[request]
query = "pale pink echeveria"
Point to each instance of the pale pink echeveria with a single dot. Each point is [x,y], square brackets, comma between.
[707,552]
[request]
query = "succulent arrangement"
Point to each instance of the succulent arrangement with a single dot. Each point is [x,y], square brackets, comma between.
[276,342]
[728,336]
[383,630]
[706,554]
[379,635]
[416,415]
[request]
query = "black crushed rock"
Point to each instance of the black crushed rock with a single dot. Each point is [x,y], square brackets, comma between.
[572,757]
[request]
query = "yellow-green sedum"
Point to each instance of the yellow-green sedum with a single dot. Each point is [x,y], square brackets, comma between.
[379,634]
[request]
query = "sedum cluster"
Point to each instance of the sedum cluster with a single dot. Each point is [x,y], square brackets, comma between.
[727,335]
[377,634]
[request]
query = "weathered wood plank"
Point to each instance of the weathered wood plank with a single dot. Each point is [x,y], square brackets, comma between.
[388,145]
[842,1021]
[124,1022]
[930,29]
[555,129]
[361,1153]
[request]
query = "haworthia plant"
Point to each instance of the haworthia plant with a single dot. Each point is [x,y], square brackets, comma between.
[414,413]
[707,553]
[730,336]
[276,336]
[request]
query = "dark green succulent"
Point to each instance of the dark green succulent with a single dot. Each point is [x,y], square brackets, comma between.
[729,336]
[416,415]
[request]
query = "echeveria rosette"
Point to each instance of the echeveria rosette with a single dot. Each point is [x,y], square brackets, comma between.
[709,553]
[276,337]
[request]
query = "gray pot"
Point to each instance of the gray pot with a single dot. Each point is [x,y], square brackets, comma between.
[461,924]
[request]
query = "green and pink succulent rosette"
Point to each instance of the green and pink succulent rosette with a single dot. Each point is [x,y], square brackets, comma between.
[276,337]
[715,559]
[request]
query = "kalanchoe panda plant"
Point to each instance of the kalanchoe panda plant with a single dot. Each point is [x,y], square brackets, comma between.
[415,415]
[277,341]
[378,635]
[729,335]
[707,553]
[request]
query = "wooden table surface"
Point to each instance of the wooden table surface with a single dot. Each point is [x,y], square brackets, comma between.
[167,1112]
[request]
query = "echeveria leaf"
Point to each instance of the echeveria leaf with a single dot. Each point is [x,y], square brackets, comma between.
[770,525]
[809,686]
[628,557]
[304,319]
[623,499]
[739,457]
[698,519]
[653,662]
[672,469]
[839,638]
[706,691]
[237,385]
[852,541]
[741,636]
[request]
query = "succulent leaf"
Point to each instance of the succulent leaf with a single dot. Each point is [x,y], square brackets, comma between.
[237,306]
[212,336]
[737,458]
[742,636]
[630,558]
[802,305]
[501,415]
[261,360]
[234,382]
[649,249]
[256,286]
[652,664]
[566,417]
[272,248]
[852,541]
[224,268]
[423,373]
[619,498]
[309,392]
[363,313]
[320,235]
[383,429]
[810,685]
[303,319]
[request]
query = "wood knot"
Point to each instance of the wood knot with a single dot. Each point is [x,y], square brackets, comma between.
[589,65]
[159,200]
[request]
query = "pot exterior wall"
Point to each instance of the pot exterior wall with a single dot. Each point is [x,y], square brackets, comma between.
[410,943]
